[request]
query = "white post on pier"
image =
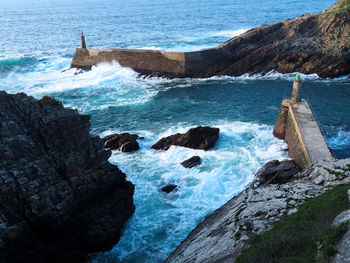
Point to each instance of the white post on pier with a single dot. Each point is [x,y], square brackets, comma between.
[296,93]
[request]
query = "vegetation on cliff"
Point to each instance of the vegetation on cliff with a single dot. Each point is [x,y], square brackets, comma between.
[306,236]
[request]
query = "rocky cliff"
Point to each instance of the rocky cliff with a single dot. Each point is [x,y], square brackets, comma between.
[308,44]
[60,198]
[223,235]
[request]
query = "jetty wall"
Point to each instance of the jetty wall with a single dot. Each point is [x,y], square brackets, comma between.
[142,61]
[307,44]
[298,127]
[151,62]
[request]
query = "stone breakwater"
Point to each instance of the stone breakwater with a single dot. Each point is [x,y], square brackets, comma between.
[308,44]
[298,127]
[60,198]
[223,235]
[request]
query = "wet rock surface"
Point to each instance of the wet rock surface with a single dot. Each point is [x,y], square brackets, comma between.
[168,188]
[60,198]
[192,162]
[276,172]
[223,235]
[202,138]
[123,142]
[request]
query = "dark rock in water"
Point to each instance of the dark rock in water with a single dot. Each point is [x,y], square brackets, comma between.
[168,188]
[123,142]
[192,162]
[202,138]
[276,172]
[60,197]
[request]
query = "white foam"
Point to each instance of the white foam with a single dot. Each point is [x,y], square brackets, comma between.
[51,75]
[228,33]
[339,141]
[161,221]
[147,48]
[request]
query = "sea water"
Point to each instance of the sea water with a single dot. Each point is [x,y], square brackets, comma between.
[37,42]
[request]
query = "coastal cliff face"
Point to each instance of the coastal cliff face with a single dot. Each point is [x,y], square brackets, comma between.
[223,235]
[308,44]
[60,198]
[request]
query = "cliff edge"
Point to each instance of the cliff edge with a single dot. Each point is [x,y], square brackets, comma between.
[223,235]
[60,198]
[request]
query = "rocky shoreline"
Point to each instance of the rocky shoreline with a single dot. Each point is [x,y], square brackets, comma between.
[60,198]
[223,235]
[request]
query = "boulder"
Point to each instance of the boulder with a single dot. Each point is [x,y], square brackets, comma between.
[60,197]
[123,142]
[168,188]
[192,162]
[343,217]
[276,172]
[202,138]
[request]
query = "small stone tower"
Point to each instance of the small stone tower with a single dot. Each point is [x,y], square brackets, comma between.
[296,93]
[82,40]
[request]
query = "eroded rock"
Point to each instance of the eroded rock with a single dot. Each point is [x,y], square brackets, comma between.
[192,162]
[276,172]
[123,142]
[60,197]
[202,138]
[168,188]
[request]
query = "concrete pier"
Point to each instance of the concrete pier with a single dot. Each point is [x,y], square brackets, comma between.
[298,127]
[150,62]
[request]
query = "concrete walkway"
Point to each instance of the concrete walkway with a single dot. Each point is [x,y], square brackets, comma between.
[311,135]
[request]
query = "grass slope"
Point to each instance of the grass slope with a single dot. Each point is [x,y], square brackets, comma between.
[298,238]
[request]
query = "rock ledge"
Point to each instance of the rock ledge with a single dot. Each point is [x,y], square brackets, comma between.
[60,197]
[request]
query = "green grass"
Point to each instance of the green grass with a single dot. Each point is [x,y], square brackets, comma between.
[295,239]
[329,239]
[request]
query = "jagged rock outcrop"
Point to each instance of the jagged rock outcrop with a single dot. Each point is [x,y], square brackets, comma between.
[202,138]
[168,188]
[223,235]
[192,162]
[123,142]
[308,44]
[60,198]
[276,172]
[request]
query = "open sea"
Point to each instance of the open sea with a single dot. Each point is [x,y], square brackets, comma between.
[37,42]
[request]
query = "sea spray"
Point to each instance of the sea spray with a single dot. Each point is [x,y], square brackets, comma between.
[161,221]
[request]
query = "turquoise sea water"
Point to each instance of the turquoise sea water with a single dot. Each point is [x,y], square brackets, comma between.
[37,42]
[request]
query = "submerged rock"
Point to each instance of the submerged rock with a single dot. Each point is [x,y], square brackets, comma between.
[123,142]
[60,197]
[192,162]
[202,138]
[168,188]
[276,172]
